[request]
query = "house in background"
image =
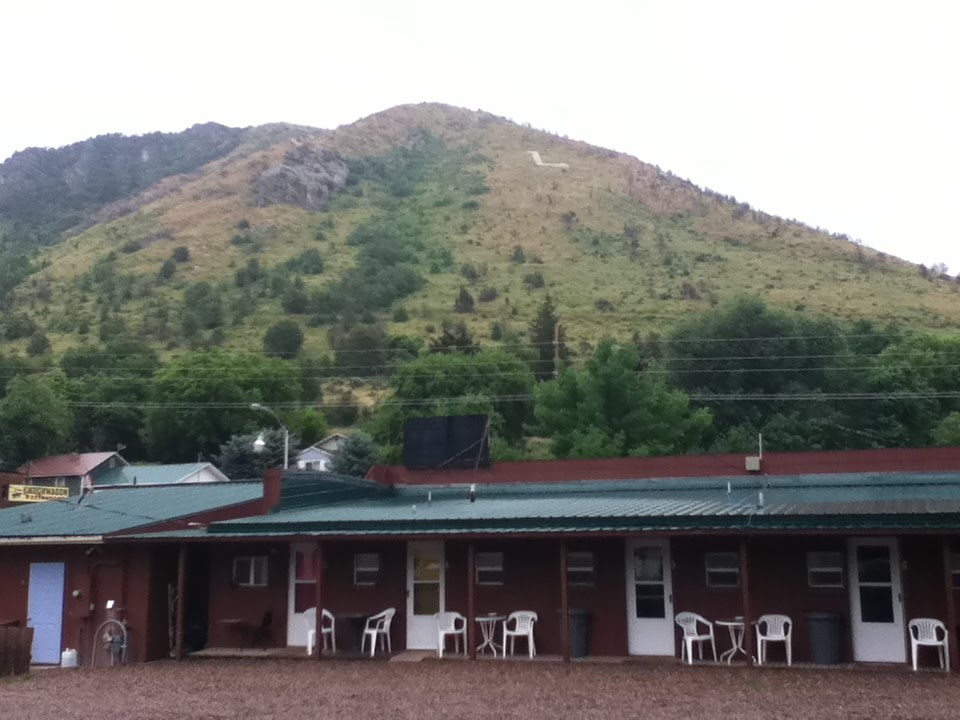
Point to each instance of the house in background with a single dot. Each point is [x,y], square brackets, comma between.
[185,473]
[75,471]
[318,456]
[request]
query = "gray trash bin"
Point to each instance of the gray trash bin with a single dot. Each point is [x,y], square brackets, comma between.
[579,632]
[825,632]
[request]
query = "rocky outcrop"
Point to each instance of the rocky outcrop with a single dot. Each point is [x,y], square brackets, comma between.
[308,178]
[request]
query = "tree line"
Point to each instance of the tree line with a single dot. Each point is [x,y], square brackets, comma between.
[712,384]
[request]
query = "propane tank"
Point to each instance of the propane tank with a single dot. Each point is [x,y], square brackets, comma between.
[69,659]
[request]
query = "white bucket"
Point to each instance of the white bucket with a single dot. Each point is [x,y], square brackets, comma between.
[69,659]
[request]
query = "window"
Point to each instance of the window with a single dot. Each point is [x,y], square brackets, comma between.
[366,568]
[825,569]
[489,568]
[304,581]
[723,569]
[580,570]
[250,571]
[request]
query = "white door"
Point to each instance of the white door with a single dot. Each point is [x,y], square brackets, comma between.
[302,595]
[649,598]
[45,611]
[425,591]
[876,601]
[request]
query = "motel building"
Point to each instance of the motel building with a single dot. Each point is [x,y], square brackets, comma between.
[869,540]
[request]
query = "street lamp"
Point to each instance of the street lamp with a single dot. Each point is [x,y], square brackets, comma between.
[259,444]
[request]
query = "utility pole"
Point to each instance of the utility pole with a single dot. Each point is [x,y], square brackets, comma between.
[556,350]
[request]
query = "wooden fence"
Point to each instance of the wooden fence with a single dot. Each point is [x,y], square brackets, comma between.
[15,645]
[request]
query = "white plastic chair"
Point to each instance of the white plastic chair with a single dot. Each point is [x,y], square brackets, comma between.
[327,629]
[523,621]
[931,633]
[378,626]
[451,623]
[774,628]
[690,622]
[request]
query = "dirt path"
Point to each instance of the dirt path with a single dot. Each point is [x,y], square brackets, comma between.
[289,690]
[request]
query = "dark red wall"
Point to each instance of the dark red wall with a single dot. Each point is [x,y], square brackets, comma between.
[100,574]
[775,463]
[532,581]
[342,596]
[245,603]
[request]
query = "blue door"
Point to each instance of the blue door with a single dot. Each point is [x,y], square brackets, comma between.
[45,611]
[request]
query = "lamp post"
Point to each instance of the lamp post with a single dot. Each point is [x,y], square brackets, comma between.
[259,443]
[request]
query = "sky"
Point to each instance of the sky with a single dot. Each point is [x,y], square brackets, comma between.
[844,115]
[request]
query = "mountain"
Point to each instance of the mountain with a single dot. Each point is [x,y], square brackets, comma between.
[212,235]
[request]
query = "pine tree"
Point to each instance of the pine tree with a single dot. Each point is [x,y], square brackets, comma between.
[543,333]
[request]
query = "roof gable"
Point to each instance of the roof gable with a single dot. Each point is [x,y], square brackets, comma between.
[70,465]
[160,474]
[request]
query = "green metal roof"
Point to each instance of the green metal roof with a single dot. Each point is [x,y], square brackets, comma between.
[113,510]
[153,474]
[832,502]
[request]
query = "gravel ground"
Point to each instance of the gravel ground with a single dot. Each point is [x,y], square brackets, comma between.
[292,689]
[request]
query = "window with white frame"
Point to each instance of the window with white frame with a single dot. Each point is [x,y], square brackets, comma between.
[489,568]
[250,571]
[366,568]
[722,569]
[825,569]
[580,569]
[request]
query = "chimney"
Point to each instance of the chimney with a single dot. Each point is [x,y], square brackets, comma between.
[272,486]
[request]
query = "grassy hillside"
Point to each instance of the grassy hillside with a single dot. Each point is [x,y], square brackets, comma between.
[440,198]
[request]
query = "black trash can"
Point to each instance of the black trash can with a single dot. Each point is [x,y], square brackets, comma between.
[579,632]
[825,632]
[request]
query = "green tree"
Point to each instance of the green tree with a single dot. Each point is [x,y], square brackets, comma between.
[947,433]
[36,419]
[360,349]
[544,333]
[310,426]
[240,460]
[745,348]
[39,344]
[357,453]
[114,382]
[491,382]
[283,339]
[203,398]
[464,303]
[608,409]
[168,269]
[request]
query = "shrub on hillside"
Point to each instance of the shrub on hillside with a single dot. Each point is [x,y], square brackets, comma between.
[489,294]
[534,280]
[181,254]
[464,303]
[167,270]
[284,339]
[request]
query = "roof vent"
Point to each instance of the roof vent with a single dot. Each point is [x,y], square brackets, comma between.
[26,517]
[753,464]
[473,492]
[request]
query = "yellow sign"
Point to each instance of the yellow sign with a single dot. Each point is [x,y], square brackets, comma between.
[37,493]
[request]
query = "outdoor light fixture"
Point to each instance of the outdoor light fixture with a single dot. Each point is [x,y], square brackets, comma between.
[259,444]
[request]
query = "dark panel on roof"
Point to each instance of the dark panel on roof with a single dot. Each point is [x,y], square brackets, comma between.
[457,441]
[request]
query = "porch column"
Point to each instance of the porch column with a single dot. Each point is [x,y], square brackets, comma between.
[318,579]
[951,606]
[472,600]
[748,629]
[181,601]
[564,603]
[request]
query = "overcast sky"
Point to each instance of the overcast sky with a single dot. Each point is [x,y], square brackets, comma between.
[844,115]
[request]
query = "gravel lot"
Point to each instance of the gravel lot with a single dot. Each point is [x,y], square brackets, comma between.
[292,689]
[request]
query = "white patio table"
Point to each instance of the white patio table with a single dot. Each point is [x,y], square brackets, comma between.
[735,627]
[488,629]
